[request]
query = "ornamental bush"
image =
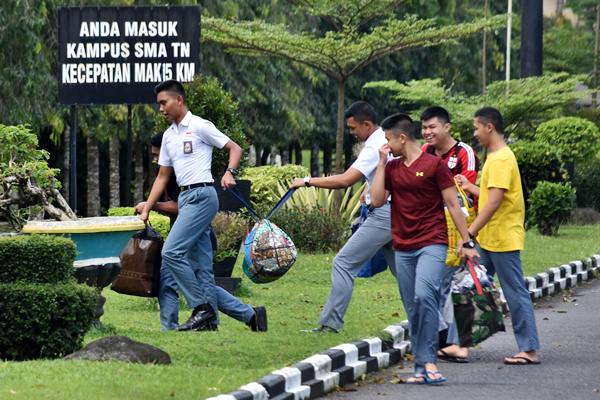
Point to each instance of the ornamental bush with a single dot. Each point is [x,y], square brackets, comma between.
[36,259]
[576,139]
[44,321]
[207,98]
[265,180]
[550,205]
[538,161]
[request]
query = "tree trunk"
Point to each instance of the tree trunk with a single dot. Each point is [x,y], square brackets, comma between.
[298,153]
[114,178]
[327,159]
[339,133]
[138,186]
[264,157]
[66,167]
[275,157]
[314,159]
[93,176]
[252,156]
[285,155]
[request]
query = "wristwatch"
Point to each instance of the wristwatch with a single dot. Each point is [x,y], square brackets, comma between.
[233,171]
[469,244]
[307,181]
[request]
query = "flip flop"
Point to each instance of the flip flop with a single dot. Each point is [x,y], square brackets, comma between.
[524,361]
[427,380]
[442,355]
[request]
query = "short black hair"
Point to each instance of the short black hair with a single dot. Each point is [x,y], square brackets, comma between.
[156,140]
[436,112]
[401,123]
[170,86]
[361,111]
[491,115]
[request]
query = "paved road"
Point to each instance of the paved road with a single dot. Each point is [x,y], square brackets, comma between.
[569,326]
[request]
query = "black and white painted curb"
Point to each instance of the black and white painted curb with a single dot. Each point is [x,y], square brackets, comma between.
[343,364]
[563,277]
[323,372]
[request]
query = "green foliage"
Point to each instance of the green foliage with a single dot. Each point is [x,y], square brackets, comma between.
[313,229]
[19,155]
[568,49]
[576,139]
[230,229]
[587,183]
[530,101]
[160,222]
[206,98]
[550,205]
[44,321]
[537,162]
[265,180]
[36,259]
[325,199]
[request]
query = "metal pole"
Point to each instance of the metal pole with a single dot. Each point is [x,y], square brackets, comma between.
[128,159]
[484,52]
[532,31]
[73,160]
[596,48]
[508,37]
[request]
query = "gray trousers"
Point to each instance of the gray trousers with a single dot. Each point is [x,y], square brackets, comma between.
[374,234]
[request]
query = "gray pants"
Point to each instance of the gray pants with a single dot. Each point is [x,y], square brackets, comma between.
[374,234]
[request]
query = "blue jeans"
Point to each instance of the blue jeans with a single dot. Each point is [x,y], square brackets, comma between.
[421,275]
[508,267]
[187,262]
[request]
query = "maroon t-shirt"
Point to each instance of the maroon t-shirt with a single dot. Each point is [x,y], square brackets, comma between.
[418,218]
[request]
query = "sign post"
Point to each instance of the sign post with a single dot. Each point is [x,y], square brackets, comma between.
[116,55]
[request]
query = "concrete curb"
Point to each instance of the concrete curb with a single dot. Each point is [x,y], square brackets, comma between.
[345,363]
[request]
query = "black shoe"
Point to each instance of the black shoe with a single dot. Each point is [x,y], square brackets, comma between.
[258,323]
[321,329]
[203,319]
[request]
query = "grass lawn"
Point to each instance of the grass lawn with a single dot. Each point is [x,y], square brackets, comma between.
[573,242]
[206,364]
[210,363]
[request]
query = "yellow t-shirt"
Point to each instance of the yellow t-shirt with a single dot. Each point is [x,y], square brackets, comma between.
[505,230]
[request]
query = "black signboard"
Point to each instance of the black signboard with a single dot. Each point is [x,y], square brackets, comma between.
[116,55]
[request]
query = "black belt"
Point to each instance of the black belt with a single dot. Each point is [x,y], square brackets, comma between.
[195,185]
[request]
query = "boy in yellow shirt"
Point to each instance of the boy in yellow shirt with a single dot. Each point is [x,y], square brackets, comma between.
[499,228]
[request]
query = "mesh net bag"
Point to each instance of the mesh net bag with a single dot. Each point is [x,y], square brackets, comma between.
[268,252]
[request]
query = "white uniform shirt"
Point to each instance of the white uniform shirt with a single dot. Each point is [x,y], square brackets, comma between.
[187,148]
[367,159]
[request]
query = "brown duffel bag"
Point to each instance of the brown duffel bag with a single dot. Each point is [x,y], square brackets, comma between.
[140,262]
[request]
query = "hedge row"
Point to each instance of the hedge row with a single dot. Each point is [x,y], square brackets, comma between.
[44,321]
[36,259]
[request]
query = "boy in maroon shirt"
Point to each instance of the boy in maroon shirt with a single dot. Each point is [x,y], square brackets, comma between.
[419,185]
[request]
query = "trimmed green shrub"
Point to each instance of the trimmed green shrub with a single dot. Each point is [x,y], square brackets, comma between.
[230,229]
[587,183]
[265,180]
[44,321]
[36,259]
[550,205]
[160,222]
[538,161]
[313,230]
[207,98]
[576,139]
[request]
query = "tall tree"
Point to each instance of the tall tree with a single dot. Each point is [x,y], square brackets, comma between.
[360,33]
